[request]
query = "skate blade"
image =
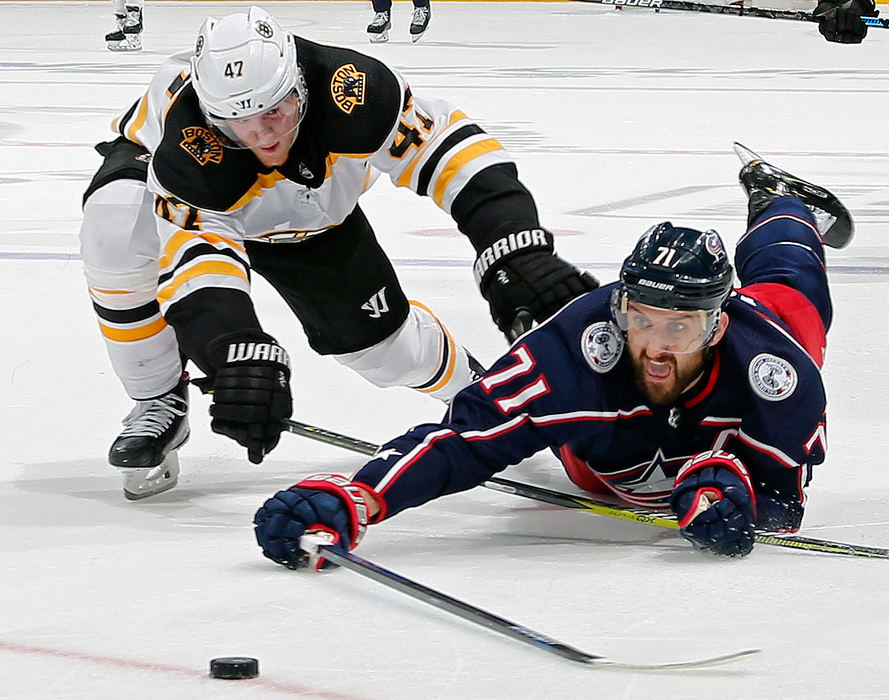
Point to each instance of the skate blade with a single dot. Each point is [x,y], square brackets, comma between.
[378,38]
[134,44]
[416,37]
[745,154]
[142,483]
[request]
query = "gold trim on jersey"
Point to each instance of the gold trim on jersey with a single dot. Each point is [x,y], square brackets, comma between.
[404,180]
[139,121]
[129,335]
[204,268]
[452,348]
[457,161]
[347,87]
[182,240]
[264,181]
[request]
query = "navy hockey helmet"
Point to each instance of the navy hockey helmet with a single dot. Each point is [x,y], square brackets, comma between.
[675,268]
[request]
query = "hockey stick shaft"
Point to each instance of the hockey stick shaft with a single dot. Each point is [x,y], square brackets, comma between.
[328,436]
[646,517]
[637,515]
[738,10]
[496,623]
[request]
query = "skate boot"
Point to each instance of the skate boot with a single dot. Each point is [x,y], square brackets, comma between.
[128,36]
[763,183]
[420,22]
[378,29]
[145,452]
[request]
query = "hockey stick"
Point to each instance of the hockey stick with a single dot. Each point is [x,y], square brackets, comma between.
[493,622]
[313,432]
[739,10]
[668,521]
[637,515]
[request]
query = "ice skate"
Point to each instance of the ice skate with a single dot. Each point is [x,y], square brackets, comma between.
[145,452]
[420,22]
[128,36]
[764,182]
[378,29]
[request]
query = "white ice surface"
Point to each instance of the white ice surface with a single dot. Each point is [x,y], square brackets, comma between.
[617,120]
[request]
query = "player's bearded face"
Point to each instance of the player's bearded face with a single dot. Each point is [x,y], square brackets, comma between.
[667,349]
[269,134]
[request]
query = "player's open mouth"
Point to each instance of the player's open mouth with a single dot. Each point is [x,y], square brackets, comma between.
[658,371]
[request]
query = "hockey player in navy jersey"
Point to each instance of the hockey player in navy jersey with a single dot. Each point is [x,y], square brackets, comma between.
[256,148]
[669,389]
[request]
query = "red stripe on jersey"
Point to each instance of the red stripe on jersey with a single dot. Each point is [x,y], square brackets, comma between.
[800,315]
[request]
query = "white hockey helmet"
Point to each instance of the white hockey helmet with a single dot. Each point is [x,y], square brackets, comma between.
[244,65]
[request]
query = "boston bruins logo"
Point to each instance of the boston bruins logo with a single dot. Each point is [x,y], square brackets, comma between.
[264,29]
[347,87]
[201,144]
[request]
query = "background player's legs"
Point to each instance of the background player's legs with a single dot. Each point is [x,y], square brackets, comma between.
[420,19]
[119,246]
[342,287]
[128,35]
[378,29]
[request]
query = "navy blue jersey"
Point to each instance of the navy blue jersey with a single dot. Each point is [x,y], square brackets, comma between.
[568,386]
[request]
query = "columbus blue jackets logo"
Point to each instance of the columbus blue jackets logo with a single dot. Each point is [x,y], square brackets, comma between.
[772,377]
[201,144]
[602,344]
[347,87]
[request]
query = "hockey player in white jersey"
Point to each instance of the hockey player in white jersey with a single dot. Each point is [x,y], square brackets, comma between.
[261,145]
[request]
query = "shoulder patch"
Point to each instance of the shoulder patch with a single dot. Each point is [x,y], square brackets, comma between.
[772,377]
[602,344]
[347,87]
[201,144]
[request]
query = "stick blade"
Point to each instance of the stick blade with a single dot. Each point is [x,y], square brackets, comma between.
[676,665]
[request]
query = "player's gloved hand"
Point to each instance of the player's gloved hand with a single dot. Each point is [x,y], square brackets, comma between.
[714,501]
[323,504]
[524,280]
[251,390]
[840,21]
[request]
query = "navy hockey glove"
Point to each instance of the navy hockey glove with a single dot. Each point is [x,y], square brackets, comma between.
[524,280]
[714,501]
[251,390]
[324,504]
[840,22]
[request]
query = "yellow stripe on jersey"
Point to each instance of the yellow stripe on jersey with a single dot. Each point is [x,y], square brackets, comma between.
[332,158]
[460,159]
[129,335]
[263,182]
[404,179]
[452,351]
[210,267]
[183,238]
[139,121]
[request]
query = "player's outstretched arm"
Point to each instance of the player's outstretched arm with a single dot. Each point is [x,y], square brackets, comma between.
[324,504]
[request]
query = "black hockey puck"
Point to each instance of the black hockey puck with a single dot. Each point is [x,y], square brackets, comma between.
[234,667]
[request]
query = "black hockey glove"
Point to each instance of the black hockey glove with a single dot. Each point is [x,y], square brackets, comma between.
[714,501]
[251,390]
[524,280]
[840,21]
[323,504]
